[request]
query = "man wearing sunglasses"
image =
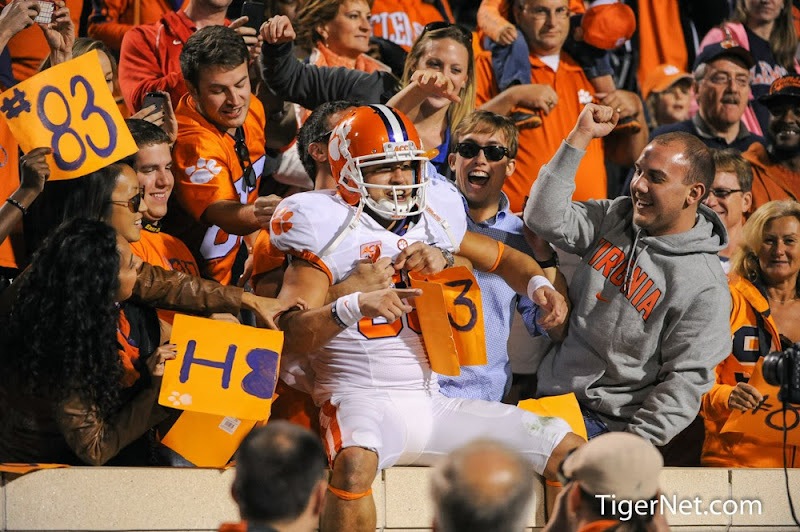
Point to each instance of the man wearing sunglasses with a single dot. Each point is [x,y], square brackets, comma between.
[776,165]
[485,147]
[219,153]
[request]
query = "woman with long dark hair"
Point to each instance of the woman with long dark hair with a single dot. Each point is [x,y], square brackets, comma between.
[66,395]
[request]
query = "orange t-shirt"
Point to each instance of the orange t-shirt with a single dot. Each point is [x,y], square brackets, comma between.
[771,181]
[12,249]
[28,48]
[402,21]
[161,249]
[207,170]
[538,145]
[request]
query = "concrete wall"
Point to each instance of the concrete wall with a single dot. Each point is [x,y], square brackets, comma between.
[144,499]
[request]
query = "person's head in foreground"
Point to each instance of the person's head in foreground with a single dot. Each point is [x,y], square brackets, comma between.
[281,477]
[613,479]
[484,485]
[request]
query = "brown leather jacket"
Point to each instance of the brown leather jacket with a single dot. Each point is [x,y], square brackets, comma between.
[70,432]
[165,289]
[174,290]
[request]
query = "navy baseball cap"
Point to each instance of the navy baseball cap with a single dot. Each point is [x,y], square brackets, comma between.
[728,47]
[785,88]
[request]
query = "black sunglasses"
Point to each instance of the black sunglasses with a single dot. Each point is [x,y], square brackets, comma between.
[723,193]
[133,203]
[243,154]
[468,150]
[440,25]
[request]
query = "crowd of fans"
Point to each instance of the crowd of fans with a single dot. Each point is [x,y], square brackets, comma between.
[630,194]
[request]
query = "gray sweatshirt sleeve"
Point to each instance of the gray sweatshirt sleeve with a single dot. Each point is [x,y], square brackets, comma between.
[310,85]
[550,211]
[690,350]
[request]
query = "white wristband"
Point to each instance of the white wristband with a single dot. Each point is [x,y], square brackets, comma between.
[347,309]
[536,282]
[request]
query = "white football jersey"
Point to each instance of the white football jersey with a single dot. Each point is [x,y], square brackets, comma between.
[372,354]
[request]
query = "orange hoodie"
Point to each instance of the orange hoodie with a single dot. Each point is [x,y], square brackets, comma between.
[735,449]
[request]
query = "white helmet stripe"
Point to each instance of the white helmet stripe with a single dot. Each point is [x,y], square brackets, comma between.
[396,129]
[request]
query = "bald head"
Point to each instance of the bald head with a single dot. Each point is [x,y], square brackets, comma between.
[482,486]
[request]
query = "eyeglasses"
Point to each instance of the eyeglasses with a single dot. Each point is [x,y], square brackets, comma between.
[440,25]
[133,203]
[540,13]
[723,78]
[723,193]
[243,154]
[468,150]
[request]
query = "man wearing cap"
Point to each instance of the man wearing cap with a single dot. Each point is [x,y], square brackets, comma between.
[603,481]
[722,86]
[560,89]
[666,92]
[776,165]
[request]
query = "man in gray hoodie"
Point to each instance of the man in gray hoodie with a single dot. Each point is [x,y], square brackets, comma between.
[651,305]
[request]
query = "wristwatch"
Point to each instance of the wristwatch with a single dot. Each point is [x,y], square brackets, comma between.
[448,257]
[552,262]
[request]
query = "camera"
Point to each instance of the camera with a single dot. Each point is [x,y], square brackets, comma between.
[783,369]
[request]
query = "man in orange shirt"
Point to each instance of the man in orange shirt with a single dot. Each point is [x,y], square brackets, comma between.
[219,153]
[560,90]
[402,21]
[776,166]
[153,165]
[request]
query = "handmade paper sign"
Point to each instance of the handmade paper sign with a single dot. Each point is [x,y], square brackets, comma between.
[69,108]
[222,368]
[765,421]
[207,440]
[451,319]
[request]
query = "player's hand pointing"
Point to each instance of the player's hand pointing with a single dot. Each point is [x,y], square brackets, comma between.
[389,303]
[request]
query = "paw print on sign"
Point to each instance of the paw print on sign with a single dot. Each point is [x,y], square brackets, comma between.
[203,171]
[177,399]
[280,221]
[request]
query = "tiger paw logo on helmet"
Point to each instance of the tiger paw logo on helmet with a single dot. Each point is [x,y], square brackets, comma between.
[203,171]
[280,221]
[378,136]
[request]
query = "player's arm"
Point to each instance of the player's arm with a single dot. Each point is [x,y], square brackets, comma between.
[309,330]
[520,272]
[232,217]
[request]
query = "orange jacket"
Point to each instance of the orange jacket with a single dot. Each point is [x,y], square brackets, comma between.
[111,19]
[749,313]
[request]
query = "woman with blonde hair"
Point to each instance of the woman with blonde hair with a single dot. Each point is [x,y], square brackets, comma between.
[766,28]
[438,90]
[765,317]
[440,59]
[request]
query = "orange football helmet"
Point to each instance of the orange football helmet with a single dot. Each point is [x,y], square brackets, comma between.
[378,135]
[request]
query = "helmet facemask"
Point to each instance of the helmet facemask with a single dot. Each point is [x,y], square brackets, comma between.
[402,200]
